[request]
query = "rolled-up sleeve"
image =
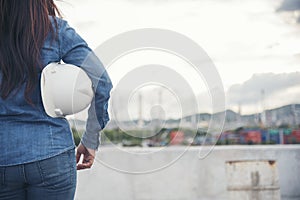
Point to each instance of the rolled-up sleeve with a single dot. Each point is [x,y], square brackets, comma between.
[74,50]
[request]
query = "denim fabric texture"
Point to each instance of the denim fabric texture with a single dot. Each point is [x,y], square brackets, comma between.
[27,133]
[53,178]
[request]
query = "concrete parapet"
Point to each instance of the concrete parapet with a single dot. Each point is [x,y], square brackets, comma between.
[118,172]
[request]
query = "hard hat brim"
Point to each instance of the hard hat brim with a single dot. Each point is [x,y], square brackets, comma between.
[46,92]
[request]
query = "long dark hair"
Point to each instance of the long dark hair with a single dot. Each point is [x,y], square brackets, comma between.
[24,26]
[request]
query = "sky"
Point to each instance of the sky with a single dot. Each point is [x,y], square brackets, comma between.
[255,49]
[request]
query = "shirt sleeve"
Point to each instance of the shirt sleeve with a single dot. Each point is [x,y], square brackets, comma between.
[74,50]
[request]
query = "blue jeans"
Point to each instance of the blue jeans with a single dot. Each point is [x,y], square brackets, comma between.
[50,179]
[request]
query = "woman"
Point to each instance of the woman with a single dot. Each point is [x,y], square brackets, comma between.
[37,158]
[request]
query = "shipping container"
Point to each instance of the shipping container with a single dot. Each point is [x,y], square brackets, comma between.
[295,137]
[287,131]
[265,137]
[296,133]
[287,138]
[254,136]
[223,139]
[176,137]
[274,136]
[233,138]
[251,137]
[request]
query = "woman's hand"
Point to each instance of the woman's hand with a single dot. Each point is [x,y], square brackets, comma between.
[88,157]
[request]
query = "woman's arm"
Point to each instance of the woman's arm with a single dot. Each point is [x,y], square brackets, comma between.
[74,50]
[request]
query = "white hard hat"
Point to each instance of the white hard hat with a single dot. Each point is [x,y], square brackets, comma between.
[66,89]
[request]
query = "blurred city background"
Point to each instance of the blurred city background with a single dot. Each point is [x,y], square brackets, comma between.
[254,45]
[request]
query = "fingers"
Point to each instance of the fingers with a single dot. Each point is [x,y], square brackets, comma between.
[86,164]
[88,157]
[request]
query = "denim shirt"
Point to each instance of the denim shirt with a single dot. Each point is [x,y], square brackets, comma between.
[27,133]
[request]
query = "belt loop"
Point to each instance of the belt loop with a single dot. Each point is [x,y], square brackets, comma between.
[23,173]
[2,175]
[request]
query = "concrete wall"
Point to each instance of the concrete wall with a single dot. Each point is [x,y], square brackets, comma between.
[177,173]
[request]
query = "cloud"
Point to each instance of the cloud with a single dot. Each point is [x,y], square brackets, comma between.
[289,5]
[267,89]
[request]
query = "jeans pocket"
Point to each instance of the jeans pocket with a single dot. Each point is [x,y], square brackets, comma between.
[59,171]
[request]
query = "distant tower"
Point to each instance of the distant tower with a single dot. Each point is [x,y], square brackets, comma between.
[141,122]
[159,97]
[295,116]
[239,119]
[158,113]
[160,93]
[263,111]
